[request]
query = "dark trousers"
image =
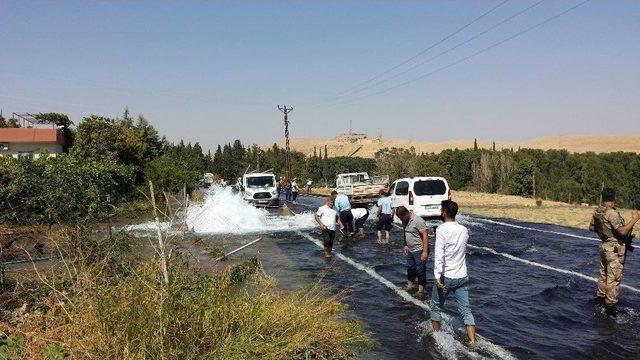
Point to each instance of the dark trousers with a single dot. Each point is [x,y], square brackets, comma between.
[360,222]
[327,238]
[346,217]
[294,195]
[416,268]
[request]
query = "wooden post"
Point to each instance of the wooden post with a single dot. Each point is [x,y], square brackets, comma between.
[163,257]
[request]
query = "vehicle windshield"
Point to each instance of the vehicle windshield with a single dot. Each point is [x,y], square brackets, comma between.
[429,187]
[260,181]
[358,179]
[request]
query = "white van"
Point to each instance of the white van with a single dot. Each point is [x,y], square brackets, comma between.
[260,189]
[422,194]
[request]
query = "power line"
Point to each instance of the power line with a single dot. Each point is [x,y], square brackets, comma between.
[417,65]
[466,58]
[422,52]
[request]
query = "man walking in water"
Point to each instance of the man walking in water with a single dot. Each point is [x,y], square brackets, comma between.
[609,224]
[327,217]
[384,217]
[343,206]
[450,270]
[415,249]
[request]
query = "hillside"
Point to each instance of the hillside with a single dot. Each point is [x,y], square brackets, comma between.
[366,146]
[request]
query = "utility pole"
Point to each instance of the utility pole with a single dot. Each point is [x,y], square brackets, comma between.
[286,110]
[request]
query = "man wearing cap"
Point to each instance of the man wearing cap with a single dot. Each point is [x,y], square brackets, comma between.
[609,224]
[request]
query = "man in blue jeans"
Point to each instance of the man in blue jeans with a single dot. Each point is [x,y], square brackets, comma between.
[415,249]
[450,270]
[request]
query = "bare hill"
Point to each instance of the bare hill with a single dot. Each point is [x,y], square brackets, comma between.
[366,146]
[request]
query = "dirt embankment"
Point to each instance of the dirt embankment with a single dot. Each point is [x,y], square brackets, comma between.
[366,146]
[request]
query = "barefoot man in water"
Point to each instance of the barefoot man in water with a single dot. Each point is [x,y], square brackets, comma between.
[450,270]
[327,218]
[416,248]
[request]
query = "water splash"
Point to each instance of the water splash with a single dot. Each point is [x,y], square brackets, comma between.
[226,212]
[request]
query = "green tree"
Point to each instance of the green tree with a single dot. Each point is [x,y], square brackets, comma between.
[63,122]
[13,123]
[522,180]
[148,135]
[101,138]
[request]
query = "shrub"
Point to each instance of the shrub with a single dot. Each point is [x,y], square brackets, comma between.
[61,189]
[231,315]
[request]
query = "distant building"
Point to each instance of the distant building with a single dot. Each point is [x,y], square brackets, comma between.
[30,142]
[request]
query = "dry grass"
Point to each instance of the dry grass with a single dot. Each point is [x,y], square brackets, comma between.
[525,209]
[367,146]
[115,307]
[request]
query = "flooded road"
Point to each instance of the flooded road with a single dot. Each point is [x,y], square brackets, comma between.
[532,287]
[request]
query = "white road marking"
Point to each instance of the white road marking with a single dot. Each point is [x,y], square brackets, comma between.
[543,266]
[534,229]
[483,344]
[537,264]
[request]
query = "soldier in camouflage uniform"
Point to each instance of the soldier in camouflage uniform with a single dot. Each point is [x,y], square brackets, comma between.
[609,224]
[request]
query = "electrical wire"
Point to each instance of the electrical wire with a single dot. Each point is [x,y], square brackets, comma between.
[417,65]
[466,58]
[422,52]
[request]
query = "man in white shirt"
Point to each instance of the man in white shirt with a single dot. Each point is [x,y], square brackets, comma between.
[327,219]
[450,270]
[360,216]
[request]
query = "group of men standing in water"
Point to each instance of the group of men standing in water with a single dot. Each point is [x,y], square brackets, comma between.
[450,269]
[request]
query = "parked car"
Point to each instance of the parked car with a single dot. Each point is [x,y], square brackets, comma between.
[421,194]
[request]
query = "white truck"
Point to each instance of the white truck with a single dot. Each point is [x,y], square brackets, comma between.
[259,188]
[361,188]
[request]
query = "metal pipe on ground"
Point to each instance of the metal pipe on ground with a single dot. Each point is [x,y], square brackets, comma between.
[238,249]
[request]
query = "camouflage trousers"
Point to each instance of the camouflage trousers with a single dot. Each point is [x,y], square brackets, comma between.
[611,269]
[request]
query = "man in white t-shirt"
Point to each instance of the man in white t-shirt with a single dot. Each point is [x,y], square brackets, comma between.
[360,216]
[327,218]
[450,270]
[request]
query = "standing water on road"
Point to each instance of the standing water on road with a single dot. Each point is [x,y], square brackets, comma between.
[530,285]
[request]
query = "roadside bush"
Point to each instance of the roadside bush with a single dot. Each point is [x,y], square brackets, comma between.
[235,314]
[61,189]
[172,171]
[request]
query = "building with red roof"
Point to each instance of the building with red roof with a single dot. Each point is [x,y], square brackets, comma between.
[30,142]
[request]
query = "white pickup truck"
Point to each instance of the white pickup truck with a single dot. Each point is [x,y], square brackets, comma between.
[361,188]
[260,189]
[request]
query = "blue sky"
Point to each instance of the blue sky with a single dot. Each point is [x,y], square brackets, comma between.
[215,71]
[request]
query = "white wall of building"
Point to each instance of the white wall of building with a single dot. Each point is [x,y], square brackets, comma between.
[15,149]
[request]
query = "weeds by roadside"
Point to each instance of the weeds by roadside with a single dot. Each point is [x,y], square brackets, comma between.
[104,301]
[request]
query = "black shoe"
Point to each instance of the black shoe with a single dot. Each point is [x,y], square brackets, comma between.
[611,310]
